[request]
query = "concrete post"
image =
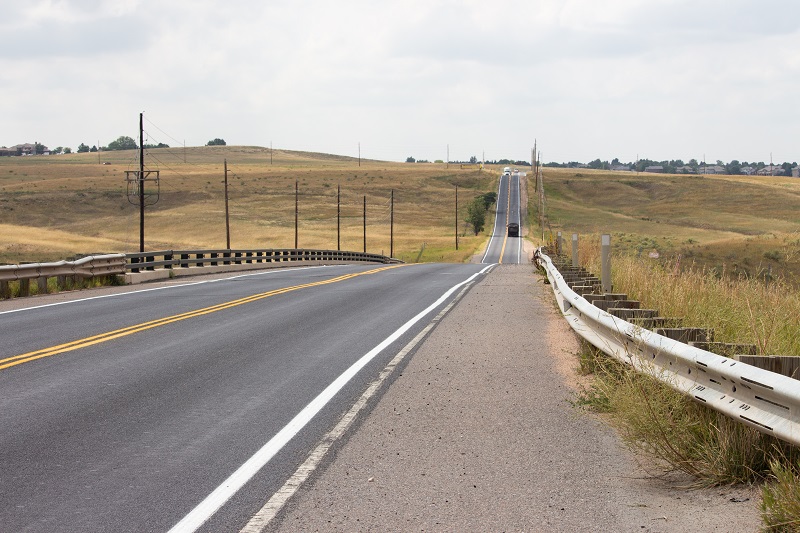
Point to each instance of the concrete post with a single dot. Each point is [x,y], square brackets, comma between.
[559,244]
[605,254]
[575,250]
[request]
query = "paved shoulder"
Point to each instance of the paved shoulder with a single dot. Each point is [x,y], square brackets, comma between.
[478,434]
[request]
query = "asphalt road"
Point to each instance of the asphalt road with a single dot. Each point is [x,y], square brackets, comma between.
[131,412]
[502,248]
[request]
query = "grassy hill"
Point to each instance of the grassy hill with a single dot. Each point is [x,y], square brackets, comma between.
[55,207]
[737,224]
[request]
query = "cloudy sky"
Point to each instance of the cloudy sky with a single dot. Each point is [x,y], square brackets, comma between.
[657,79]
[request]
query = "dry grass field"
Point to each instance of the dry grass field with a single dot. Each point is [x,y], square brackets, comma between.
[57,207]
[734,224]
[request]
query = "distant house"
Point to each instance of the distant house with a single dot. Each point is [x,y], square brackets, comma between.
[686,169]
[771,170]
[24,149]
[747,171]
[654,169]
[711,169]
[621,168]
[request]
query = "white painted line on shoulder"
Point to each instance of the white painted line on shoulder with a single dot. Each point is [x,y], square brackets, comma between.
[264,516]
[211,504]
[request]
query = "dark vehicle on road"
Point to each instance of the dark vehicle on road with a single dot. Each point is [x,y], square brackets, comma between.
[513,230]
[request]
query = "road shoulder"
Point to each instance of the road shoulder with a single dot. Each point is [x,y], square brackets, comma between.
[478,433]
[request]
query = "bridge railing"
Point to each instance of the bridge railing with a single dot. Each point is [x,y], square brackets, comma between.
[165,260]
[764,400]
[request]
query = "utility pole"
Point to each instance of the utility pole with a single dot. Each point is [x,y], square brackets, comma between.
[365,223]
[135,181]
[141,181]
[456,216]
[391,226]
[296,206]
[227,217]
[339,217]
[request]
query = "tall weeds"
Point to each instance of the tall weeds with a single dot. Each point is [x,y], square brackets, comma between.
[682,434]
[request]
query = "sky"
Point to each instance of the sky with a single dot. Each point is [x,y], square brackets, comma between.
[584,79]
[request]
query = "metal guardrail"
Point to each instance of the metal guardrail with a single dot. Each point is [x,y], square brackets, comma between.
[119,264]
[199,258]
[87,267]
[764,400]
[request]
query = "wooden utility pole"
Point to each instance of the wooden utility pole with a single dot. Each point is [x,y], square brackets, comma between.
[227,215]
[365,223]
[339,217]
[141,181]
[456,216]
[391,226]
[296,209]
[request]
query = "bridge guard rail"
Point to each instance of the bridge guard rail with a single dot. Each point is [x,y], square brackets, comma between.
[198,258]
[764,400]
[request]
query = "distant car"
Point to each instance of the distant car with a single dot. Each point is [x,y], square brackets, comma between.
[513,230]
[507,171]
[516,171]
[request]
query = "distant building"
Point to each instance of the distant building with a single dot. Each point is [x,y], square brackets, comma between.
[621,168]
[685,170]
[796,172]
[24,149]
[654,169]
[771,170]
[747,171]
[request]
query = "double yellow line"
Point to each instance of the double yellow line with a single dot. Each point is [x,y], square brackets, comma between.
[505,234]
[130,330]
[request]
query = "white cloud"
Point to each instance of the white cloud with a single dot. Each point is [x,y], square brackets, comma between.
[588,78]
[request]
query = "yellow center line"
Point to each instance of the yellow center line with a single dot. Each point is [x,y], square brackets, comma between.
[505,236]
[130,330]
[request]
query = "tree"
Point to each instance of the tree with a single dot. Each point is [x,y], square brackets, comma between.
[38,148]
[473,160]
[123,143]
[93,149]
[476,214]
[216,142]
[410,159]
[58,149]
[82,148]
[67,150]
[488,199]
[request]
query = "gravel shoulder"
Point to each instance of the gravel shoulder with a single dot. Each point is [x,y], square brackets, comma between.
[478,434]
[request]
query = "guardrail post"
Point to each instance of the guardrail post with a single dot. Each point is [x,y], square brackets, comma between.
[575,249]
[5,290]
[559,244]
[168,257]
[605,251]
[24,287]
[41,284]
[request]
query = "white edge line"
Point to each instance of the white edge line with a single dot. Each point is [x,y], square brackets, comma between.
[211,504]
[273,506]
[494,227]
[189,284]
